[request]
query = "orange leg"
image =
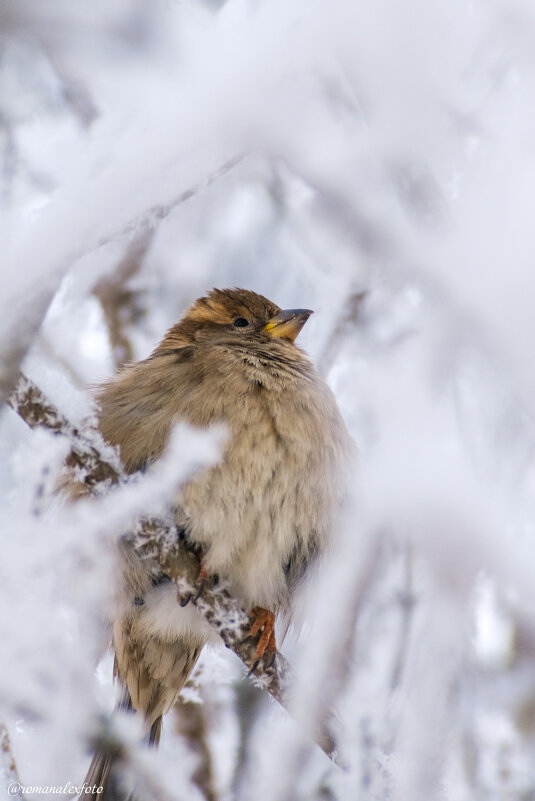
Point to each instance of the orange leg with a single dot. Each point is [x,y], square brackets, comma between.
[263,625]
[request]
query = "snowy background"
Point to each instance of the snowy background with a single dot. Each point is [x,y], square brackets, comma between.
[371,160]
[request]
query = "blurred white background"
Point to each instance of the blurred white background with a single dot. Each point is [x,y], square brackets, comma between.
[371,160]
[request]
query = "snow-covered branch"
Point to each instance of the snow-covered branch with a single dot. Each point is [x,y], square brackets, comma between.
[158,539]
[36,410]
[155,214]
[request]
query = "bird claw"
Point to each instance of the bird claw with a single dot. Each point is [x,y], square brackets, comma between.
[199,591]
[185,601]
[202,581]
[263,625]
[253,669]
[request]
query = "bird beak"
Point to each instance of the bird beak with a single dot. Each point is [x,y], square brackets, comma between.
[287,324]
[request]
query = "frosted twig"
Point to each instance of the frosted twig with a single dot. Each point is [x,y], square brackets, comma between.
[190,722]
[344,326]
[8,766]
[18,333]
[158,539]
[118,301]
[152,216]
[407,601]
[36,410]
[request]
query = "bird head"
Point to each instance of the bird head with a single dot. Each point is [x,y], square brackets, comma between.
[239,316]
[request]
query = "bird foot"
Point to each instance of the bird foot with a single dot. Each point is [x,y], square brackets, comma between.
[264,625]
[202,581]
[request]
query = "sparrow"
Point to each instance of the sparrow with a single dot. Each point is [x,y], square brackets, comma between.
[261,515]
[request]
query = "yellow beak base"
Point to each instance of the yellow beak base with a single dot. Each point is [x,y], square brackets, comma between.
[287,324]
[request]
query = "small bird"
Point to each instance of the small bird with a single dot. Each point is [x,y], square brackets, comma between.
[261,515]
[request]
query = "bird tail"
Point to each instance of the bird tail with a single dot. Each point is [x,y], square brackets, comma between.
[103,781]
[99,781]
[155,731]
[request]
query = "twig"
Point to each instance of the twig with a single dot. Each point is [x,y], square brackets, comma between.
[190,722]
[19,329]
[355,604]
[48,349]
[407,601]
[8,766]
[159,212]
[36,410]
[158,539]
[346,321]
[118,301]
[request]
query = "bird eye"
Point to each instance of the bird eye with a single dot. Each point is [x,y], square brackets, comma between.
[240,322]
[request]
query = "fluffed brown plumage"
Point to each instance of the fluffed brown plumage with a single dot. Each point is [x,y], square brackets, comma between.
[262,513]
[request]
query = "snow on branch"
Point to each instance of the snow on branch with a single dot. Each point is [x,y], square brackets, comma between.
[159,539]
[8,766]
[31,290]
[36,410]
[155,214]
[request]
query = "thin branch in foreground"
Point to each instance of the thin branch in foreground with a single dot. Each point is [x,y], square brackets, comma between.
[346,320]
[19,331]
[152,216]
[119,303]
[159,540]
[8,766]
[407,601]
[37,411]
[191,724]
